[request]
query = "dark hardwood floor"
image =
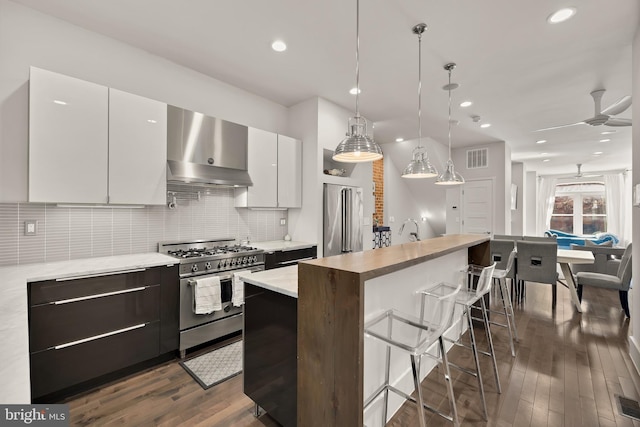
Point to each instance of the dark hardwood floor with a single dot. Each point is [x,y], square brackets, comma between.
[567,369]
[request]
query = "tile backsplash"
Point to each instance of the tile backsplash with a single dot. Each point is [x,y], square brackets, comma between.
[65,233]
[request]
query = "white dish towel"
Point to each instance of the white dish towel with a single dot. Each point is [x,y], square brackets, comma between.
[237,285]
[207,296]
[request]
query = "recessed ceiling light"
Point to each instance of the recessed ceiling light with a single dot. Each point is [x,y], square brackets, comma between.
[466,104]
[597,153]
[355,90]
[546,160]
[605,140]
[56,101]
[543,154]
[399,139]
[541,141]
[279,46]
[485,125]
[608,132]
[152,121]
[561,15]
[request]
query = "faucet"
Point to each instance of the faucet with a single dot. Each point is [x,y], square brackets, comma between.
[414,237]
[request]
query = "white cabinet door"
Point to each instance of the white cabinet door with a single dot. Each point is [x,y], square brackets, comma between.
[289,172]
[262,162]
[68,131]
[137,149]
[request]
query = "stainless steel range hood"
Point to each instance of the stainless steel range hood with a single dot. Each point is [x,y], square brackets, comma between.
[205,150]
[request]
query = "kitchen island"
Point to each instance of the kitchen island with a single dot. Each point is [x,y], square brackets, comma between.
[334,297]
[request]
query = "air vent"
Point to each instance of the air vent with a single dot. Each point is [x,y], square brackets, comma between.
[478,158]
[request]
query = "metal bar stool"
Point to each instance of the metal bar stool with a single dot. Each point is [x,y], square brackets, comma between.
[467,299]
[501,275]
[415,336]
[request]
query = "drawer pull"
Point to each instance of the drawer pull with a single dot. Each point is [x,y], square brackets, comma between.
[95,337]
[89,276]
[296,261]
[106,294]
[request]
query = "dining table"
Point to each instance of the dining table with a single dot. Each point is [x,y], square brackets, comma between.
[566,257]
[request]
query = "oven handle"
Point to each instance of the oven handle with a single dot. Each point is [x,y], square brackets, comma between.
[192,282]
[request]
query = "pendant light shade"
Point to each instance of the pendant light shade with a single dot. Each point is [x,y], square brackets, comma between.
[420,166]
[357,146]
[450,176]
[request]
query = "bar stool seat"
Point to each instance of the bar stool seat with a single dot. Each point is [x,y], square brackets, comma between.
[416,336]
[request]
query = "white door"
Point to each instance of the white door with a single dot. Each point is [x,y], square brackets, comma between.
[477,206]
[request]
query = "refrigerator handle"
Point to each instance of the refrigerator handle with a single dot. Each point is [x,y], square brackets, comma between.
[348,208]
[343,209]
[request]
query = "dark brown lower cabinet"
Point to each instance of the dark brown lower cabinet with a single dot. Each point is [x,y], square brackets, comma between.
[85,329]
[270,352]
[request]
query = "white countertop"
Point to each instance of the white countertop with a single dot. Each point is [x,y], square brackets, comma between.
[282,280]
[281,245]
[14,327]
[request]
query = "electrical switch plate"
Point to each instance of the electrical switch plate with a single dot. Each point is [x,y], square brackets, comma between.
[283,221]
[30,227]
[392,219]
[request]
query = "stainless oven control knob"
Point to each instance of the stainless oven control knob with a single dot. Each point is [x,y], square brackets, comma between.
[233,261]
[194,267]
[255,258]
[244,260]
[207,266]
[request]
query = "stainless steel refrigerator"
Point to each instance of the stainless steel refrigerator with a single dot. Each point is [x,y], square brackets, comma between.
[342,219]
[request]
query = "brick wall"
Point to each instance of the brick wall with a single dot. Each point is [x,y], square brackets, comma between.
[378,179]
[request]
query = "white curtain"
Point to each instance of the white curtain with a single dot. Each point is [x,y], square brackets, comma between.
[614,193]
[544,208]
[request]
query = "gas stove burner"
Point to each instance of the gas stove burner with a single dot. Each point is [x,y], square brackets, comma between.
[216,250]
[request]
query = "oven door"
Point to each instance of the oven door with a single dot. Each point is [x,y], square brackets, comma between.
[189,319]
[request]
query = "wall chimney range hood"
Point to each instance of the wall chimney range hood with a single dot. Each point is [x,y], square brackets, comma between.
[205,150]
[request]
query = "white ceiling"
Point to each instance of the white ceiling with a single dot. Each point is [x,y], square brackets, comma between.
[521,72]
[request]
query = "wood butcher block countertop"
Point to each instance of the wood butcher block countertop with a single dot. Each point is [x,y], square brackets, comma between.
[377,262]
[331,293]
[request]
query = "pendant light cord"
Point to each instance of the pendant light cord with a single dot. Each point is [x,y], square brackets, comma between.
[357,58]
[449,87]
[419,90]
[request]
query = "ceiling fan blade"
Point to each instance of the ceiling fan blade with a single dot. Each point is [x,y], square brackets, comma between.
[561,126]
[618,122]
[618,107]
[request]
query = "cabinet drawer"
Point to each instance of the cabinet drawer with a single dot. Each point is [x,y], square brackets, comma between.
[66,288]
[54,370]
[279,259]
[62,322]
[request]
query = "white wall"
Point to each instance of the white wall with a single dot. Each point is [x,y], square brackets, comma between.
[29,38]
[518,215]
[413,198]
[530,203]
[499,168]
[634,300]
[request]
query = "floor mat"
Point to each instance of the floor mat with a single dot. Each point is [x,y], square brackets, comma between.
[215,366]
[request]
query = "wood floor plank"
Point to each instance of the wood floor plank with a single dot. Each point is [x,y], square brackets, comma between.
[567,368]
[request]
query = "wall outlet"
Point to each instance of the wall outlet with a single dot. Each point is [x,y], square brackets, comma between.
[283,221]
[30,227]
[392,219]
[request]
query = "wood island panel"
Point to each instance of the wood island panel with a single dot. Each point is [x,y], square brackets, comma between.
[331,322]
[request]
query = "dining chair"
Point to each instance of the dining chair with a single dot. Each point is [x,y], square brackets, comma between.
[507,237]
[538,262]
[620,282]
[540,238]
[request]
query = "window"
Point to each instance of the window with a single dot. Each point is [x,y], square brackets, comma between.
[580,208]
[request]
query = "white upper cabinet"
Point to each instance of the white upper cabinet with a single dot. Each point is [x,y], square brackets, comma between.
[275,167]
[289,172]
[68,135]
[137,149]
[262,163]
[91,144]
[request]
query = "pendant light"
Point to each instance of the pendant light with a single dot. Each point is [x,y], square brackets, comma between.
[357,146]
[420,166]
[450,176]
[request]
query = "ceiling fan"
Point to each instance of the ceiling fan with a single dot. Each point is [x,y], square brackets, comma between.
[583,175]
[602,117]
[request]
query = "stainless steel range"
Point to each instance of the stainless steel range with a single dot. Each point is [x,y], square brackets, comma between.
[206,258]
